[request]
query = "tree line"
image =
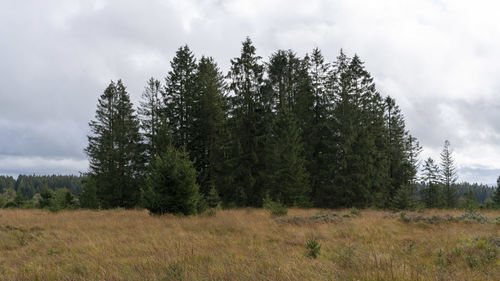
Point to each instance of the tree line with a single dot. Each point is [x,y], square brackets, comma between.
[300,130]
[28,191]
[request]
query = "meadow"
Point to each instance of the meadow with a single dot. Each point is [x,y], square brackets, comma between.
[246,244]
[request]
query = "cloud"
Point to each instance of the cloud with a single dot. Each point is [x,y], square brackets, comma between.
[438,58]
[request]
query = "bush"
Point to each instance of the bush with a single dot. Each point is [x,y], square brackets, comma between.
[213,198]
[275,208]
[354,211]
[313,248]
[171,185]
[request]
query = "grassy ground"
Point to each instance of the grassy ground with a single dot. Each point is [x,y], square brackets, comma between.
[244,244]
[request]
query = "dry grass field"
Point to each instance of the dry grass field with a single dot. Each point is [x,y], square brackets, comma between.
[243,244]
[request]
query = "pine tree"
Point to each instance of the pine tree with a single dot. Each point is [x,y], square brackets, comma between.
[19,200]
[150,115]
[284,79]
[496,195]
[46,197]
[448,175]
[250,111]
[179,97]
[171,185]
[213,198]
[431,194]
[88,198]
[403,150]
[359,163]
[115,149]
[315,111]
[210,137]
[286,176]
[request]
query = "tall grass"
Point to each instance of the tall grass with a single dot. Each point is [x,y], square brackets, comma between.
[244,244]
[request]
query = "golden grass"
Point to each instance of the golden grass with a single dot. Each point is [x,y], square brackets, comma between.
[244,244]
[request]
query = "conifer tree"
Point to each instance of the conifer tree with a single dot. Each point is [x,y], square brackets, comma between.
[317,132]
[496,195]
[171,185]
[250,109]
[150,115]
[286,176]
[448,175]
[431,194]
[359,163]
[115,149]
[179,97]
[88,197]
[210,136]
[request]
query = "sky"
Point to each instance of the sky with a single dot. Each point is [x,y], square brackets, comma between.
[438,59]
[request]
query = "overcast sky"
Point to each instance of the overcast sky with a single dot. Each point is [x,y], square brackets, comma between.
[439,59]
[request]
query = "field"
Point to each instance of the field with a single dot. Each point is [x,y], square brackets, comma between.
[244,244]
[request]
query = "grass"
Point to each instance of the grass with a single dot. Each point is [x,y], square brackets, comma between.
[243,244]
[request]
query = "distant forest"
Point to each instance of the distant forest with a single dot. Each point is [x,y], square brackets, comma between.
[297,131]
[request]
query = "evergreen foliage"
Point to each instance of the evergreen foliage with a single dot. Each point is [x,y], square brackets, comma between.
[250,117]
[179,97]
[150,111]
[286,178]
[210,133]
[448,175]
[496,195]
[171,185]
[115,149]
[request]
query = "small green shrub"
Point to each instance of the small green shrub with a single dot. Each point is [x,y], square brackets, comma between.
[354,211]
[313,248]
[275,208]
[404,217]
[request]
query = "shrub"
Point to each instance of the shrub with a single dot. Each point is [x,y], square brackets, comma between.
[213,198]
[313,248]
[275,208]
[354,211]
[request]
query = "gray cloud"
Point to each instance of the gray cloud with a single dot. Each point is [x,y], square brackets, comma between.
[437,58]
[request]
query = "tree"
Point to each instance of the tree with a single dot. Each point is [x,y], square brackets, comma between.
[359,164]
[496,195]
[315,111]
[287,179]
[46,197]
[210,133]
[149,114]
[19,200]
[115,149]
[432,193]
[171,185]
[213,199]
[448,175]
[250,123]
[179,97]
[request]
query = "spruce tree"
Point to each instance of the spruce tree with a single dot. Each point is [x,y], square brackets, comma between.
[496,195]
[150,115]
[448,175]
[250,111]
[210,135]
[115,149]
[317,132]
[359,163]
[179,97]
[88,197]
[171,185]
[431,194]
[287,180]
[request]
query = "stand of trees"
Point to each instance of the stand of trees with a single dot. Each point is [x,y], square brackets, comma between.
[301,130]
